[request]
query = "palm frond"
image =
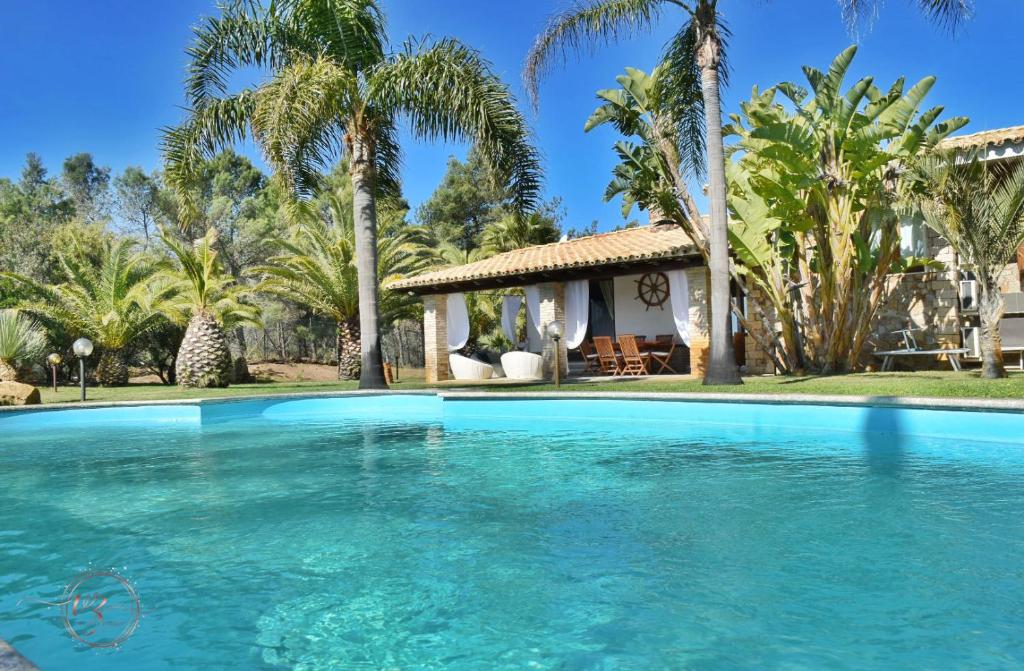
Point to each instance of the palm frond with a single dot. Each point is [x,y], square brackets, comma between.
[352,32]
[112,303]
[448,92]
[949,14]
[582,29]
[219,122]
[296,119]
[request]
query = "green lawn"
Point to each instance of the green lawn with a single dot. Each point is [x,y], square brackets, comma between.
[945,384]
[160,392]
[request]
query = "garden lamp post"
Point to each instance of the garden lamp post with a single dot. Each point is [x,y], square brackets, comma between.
[82,349]
[54,361]
[554,330]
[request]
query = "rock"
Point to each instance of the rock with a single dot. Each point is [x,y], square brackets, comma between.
[16,393]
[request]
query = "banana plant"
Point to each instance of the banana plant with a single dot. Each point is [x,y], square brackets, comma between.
[818,181]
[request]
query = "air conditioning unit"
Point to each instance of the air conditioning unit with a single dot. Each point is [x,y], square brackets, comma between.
[972,341]
[969,295]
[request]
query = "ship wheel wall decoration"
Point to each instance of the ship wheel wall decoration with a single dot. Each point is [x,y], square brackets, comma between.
[652,289]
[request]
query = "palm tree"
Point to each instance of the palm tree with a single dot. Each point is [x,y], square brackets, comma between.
[336,88]
[512,232]
[979,208]
[209,300]
[696,70]
[317,268]
[112,302]
[21,341]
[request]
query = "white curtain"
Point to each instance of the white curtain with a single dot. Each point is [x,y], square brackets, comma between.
[536,333]
[458,322]
[509,311]
[679,294]
[577,312]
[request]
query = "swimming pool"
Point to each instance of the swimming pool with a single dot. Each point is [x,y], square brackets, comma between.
[411,532]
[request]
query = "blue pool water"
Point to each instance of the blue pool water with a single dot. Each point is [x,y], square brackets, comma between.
[403,533]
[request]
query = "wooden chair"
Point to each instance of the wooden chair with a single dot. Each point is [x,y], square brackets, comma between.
[634,363]
[666,345]
[606,355]
[590,358]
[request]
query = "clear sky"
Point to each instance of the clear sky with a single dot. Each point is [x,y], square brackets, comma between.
[105,76]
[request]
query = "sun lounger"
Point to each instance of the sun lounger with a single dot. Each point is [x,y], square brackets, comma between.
[889,356]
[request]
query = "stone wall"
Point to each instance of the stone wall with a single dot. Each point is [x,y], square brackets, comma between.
[757,360]
[930,302]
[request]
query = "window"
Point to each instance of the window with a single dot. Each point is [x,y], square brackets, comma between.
[913,237]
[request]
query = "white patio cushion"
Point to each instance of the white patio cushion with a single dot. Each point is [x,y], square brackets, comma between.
[522,365]
[464,368]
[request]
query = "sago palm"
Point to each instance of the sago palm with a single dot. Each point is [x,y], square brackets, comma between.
[316,267]
[209,301]
[337,88]
[22,341]
[112,302]
[978,207]
[696,69]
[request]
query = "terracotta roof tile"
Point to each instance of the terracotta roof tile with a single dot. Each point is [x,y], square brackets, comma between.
[985,138]
[643,243]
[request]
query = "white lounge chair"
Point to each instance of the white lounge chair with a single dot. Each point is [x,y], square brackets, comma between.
[1011,332]
[464,368]
[523,365]
[888,357]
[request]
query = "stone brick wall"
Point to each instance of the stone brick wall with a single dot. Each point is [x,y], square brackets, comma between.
[435,337]
[930,301]
[552,309]
[926,301]
[757,360]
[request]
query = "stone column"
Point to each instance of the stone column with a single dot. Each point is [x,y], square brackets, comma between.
[700,309]
[435,337]
[552,308]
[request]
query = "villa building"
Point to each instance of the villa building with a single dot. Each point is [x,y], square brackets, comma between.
[651,281]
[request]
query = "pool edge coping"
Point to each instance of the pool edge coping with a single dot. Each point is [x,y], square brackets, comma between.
[12,660]
[89,405]
[910,402]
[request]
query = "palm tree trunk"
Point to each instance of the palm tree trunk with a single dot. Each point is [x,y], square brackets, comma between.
[112,369]
[348,350]
[204,359]
[722,367]
[990,309]
[364,212]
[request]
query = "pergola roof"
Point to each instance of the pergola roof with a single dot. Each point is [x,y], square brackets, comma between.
[638,249]
[985,138]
